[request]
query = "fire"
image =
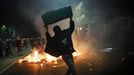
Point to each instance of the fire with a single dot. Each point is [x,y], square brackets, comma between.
[76,54]
[37,55]
[50,58]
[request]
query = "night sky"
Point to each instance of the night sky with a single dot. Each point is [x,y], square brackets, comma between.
[24,13]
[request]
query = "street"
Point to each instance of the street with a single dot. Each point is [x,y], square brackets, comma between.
[99,32]
[94,63]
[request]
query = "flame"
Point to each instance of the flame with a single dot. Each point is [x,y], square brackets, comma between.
[37,55]
[34,57]
[76,54]
[50,58]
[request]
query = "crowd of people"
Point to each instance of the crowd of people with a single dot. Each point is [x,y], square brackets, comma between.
[9,47]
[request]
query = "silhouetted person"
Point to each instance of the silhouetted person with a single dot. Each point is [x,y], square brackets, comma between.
[8,47]
[19,45]
[61,44]
[1,48]
[33,42]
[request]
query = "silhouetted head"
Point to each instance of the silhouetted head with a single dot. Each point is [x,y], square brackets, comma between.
[57,29]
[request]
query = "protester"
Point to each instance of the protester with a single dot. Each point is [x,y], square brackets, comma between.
[61,44]
[19,44]
[1,49]
[8,47]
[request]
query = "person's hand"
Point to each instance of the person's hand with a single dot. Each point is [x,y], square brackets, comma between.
[71,22]
[71,18]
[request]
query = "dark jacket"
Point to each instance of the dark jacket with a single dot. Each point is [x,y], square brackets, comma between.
[61,43]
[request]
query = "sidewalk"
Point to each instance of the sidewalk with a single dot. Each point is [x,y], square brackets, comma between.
[8,61]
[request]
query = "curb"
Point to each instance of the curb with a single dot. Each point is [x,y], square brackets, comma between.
[3,70]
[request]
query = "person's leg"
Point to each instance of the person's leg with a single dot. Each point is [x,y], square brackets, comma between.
[70,63]
[21,51]
[69,70]
[66,60]
[18,51]
[73,69]
[10,51]
[6,52]
[71,56]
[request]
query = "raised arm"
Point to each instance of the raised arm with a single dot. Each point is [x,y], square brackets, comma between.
[72,25]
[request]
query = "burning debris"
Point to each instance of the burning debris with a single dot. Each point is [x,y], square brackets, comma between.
[37,55]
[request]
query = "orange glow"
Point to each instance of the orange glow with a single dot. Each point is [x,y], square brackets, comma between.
[35,56]
[76,54]
[50,58]
[20,61]
[41,65]
[39,56]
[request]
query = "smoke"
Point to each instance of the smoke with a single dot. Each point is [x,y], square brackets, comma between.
[39,26]
[92,13]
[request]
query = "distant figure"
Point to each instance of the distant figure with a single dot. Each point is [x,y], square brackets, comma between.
[19,45]
[25,43]
[1,48]
[61,44]
[33,42]
[4,47]
[8,48]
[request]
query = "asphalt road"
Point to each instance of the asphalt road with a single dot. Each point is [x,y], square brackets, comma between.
[103,63]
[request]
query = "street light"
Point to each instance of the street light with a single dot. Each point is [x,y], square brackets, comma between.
[3,27]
